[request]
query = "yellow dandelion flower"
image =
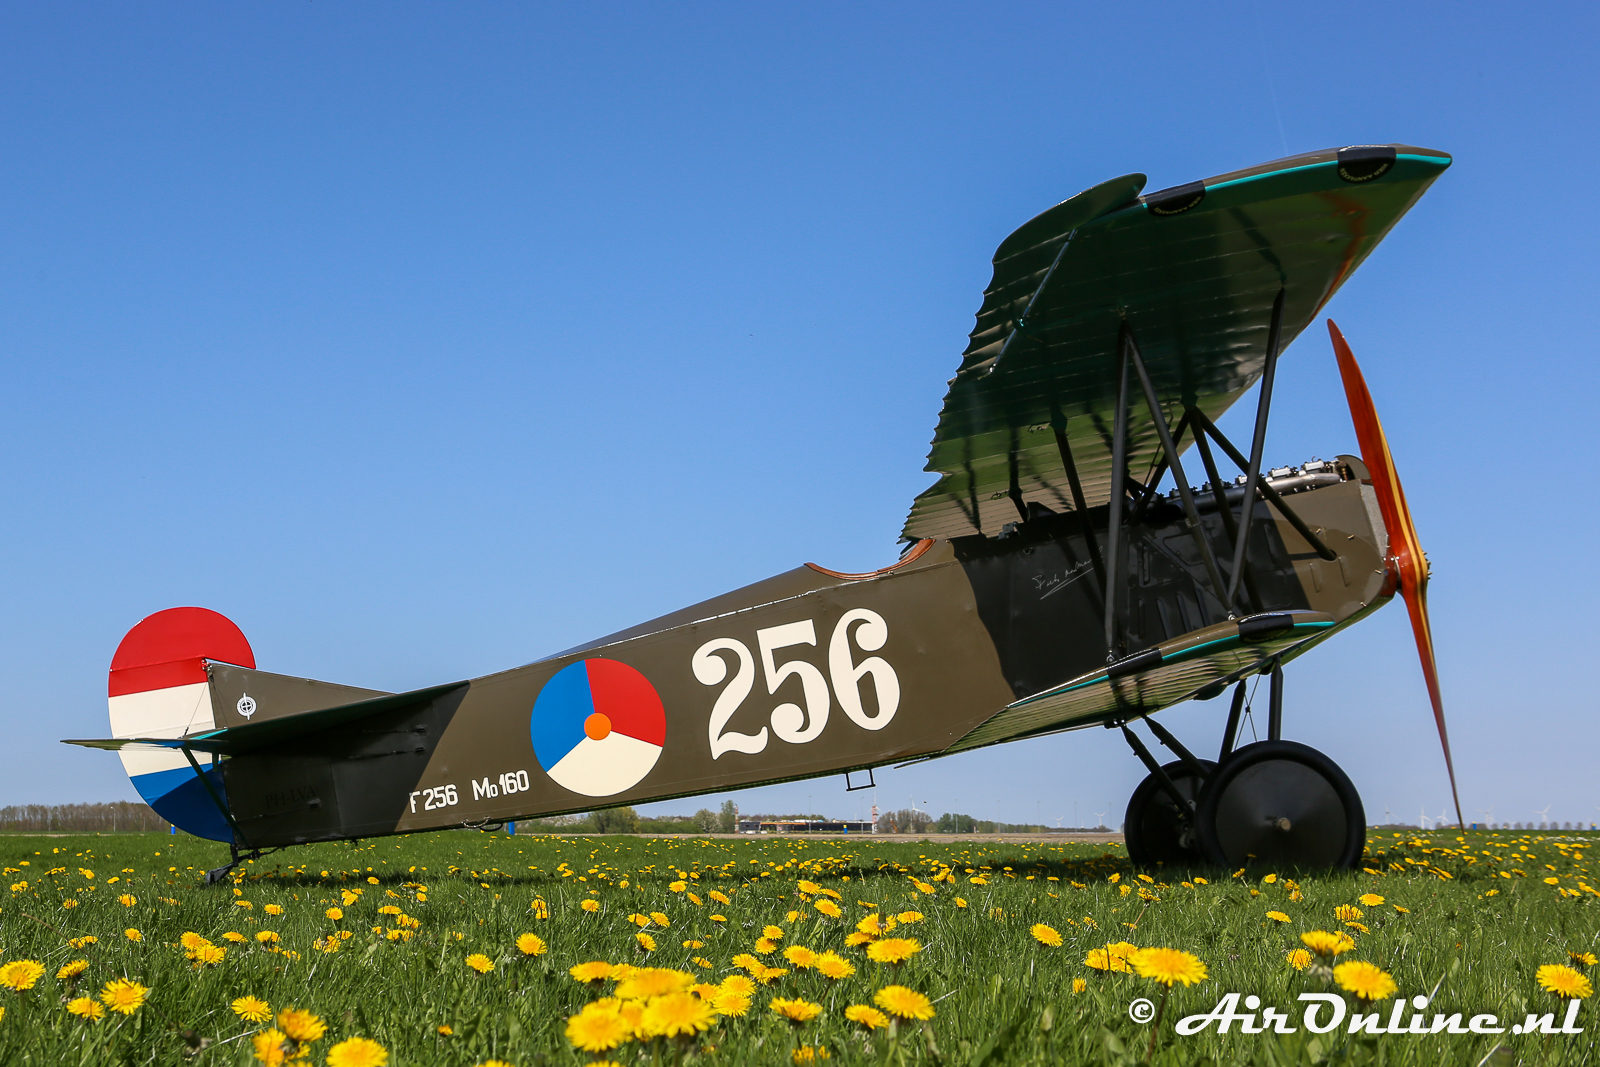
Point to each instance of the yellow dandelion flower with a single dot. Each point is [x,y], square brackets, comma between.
[334,913]
[1168,966]
[646,942]
[827,907]
[209,955]
[389,909]
[719,897]
[904,1002]
[809,1054]
[676,1014]
[589,905]
[894,950]
[191,940]
[701,961]
[772,933]
[809,887]
[833,966]
[1277,916]
[274,909]
[1371,900]
[123,995]
[446,1030]
[21,974]
[647,982]
[796,1011]
[1328,944]
[1582,959]
[127,900]
[133,935]
[530,945]
[800,956]
[86,1008]
[594,971]
[1347,912]
[867,1016]
[719,918]
[765,945]
[731,1003]
[738,983]
[1045,935]
[1366,980]
[909,917]
[82,942]
[271,1047]
[1357,926]
[1564,982]
[251,1009]
[358,1052]
[598,1027]
[1079,985]
[660,918]
[302,1026]
[72,970]
[267,937]
[960,903]
[1299,959]
[1114,957]
[480,963]
[1402,911]
[235,937]
[746,962]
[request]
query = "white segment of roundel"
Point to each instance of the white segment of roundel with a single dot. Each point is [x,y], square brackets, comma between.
[176,711]
[601,768]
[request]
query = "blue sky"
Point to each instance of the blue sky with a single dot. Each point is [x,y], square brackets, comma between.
[426,340]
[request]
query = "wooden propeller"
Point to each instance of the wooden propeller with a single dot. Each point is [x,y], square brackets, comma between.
[1405,551]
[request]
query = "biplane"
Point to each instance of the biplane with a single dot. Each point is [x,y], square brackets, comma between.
[1046,582]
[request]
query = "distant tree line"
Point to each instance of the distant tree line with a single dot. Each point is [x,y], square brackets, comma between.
[120,817]
[952,823]
[625,820]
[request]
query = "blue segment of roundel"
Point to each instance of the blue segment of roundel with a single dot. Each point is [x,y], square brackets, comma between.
[559,712]
[179,797]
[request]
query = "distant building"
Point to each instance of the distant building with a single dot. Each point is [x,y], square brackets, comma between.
[804,826]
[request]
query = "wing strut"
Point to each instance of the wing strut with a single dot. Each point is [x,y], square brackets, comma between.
[1220,495]
[1265,488]
[1258,444]
[1058,423]
[1168,446]
[1119,476]
[188,754]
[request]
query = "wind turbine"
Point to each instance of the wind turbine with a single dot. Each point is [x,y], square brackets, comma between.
[1544,816]
[1099,820]
[1488,816]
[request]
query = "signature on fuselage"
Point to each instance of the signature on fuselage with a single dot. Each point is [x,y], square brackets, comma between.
[1050,584]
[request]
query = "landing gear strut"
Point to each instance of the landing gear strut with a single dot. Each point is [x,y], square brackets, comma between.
[1274,802]
[218,874]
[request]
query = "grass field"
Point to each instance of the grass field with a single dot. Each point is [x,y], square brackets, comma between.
[1481,913]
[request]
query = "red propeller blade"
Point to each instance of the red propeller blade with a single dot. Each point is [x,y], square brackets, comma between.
[1404,548]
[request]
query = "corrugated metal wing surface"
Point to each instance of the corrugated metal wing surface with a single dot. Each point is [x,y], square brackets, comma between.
[1196,287]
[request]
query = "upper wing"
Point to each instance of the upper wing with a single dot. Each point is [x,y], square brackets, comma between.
[1192,270]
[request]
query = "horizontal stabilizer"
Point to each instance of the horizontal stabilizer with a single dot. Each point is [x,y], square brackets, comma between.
[238,740]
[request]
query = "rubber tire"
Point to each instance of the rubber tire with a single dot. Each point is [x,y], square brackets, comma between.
[1152,829]
[1270,780]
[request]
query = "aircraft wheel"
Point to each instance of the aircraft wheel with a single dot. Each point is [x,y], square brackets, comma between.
[1282,804]
[1153,829]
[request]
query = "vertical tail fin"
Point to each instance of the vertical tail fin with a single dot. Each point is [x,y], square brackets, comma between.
[158,688]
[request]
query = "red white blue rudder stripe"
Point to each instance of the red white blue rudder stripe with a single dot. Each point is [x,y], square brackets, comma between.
[159,688]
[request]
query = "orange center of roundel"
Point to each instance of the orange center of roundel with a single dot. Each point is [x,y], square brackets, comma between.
[597,726]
